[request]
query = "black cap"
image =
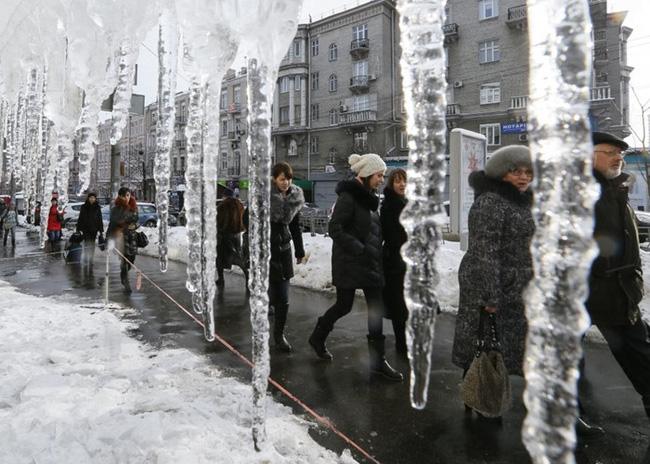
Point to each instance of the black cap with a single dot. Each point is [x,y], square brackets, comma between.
[604,137]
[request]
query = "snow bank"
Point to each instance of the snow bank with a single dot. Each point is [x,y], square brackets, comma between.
[75,388]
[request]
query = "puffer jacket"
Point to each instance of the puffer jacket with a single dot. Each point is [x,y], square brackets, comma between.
[355,229]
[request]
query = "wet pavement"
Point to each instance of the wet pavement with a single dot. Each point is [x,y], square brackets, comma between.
[374,413]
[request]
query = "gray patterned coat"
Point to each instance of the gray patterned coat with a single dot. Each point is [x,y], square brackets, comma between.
[496,269]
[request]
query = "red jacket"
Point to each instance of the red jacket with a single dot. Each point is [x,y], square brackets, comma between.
[53,222]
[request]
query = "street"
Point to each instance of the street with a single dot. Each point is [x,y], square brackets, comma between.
[375,414]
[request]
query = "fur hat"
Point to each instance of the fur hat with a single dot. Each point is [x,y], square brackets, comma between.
[367,165]
[507,158]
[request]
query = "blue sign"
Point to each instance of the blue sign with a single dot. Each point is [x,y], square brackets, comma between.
[514,128]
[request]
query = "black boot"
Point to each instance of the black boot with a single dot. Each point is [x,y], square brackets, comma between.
[378,363]
[124,277]
[399,327]
[220,280]
[280,321]
[317,340]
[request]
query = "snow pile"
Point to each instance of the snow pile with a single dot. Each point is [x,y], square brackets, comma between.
[83,391]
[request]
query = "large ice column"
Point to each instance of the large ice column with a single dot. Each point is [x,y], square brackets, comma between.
[167,59]
[562,247]
[423,80]
[122,95]
[260,91]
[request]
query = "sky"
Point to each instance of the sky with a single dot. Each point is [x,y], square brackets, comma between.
[638,52]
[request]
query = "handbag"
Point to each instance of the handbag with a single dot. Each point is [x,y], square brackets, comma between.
[486,385]
[141,239]
[101,242]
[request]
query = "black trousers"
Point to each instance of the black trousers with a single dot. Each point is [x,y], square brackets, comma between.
[343,305]
[278,293]
[630,345]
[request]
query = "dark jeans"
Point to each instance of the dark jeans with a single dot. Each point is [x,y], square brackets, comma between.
[88,251]
[278,293]
[343,305]
[11,231]
[54,235]
[630,345]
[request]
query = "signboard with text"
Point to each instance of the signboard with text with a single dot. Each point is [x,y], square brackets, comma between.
[514,128]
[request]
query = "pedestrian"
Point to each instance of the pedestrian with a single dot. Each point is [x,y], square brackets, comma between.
[498,264]
[286,202]
[9,223]
[3,210]
[37,214]
[90,224]
[230,227]
[616,276]
[355,229]
[394,237]
[54,223]
[122,229]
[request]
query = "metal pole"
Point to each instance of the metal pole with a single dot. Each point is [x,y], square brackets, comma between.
[106,274]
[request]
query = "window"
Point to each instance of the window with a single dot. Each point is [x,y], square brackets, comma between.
[403,140]
[334,52]
[296,83]
[333,82]
[360,141]
[237,125]
[488,9]
[223,103]
[361,103]
[488,51]
[314,47]
[296,48]
[224,128]
[360,68]
[224,161]
[284,85]
[284,115]
[313,144]
[315,108]
[314,81]
[492,133]
[490,93]
[182,163]
[236,163]
[237,94]
[296,115]
[334,117]
[402,106]
[360,32]
[332,156]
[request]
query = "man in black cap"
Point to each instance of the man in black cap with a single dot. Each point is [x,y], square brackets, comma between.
[616,277]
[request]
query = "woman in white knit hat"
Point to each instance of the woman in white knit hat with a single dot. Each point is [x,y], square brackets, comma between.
[357,259]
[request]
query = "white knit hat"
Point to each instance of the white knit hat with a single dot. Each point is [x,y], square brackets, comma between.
[367,165]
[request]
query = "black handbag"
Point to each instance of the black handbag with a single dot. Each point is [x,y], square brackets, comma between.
[101,242]
[141,239]
[486,385]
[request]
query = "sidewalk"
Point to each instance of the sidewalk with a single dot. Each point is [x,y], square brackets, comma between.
[375,414]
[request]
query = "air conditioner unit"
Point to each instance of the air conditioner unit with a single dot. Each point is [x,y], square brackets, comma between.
[372,77]
[458,84]
[343,108]
[523,137]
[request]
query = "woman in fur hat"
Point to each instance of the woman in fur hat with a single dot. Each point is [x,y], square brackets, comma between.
[498,265]
[355,229]
[286,202]
[122,228]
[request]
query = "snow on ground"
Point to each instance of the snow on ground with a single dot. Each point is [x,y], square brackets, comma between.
[77,389]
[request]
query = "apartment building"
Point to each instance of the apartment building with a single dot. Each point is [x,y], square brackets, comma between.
[487,69]
[101,166]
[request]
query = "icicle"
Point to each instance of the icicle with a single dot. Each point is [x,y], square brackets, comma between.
[44,126]
[32,141]
[87,130]
[19,140]
[167,58]
[49,174]
[260,93]
[122,94]
[4,159]
[562,247]
[423,77]
[66,154]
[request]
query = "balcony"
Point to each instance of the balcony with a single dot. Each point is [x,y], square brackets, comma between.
[181,144]
[359,84]
[234,107]
[600,55]
[232,135]
[451,32]
[517,17]
[453,109]
[601,94]
[518,103]
[359,48]
[181,120]
[357,118]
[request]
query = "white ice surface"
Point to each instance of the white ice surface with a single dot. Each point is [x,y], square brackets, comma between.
[76,389]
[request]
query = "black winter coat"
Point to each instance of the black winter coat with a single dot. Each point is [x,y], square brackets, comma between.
[90,220]
[355,229]
[495,270]
[394,237]
[616,277]
[122,226]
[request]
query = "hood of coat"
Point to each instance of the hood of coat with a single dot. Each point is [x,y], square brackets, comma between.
[393,200]
[360,193]
[481,184]
[131,205]
[285,207]
[91,206]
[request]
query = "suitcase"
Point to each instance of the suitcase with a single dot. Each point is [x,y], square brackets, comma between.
[72,252]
